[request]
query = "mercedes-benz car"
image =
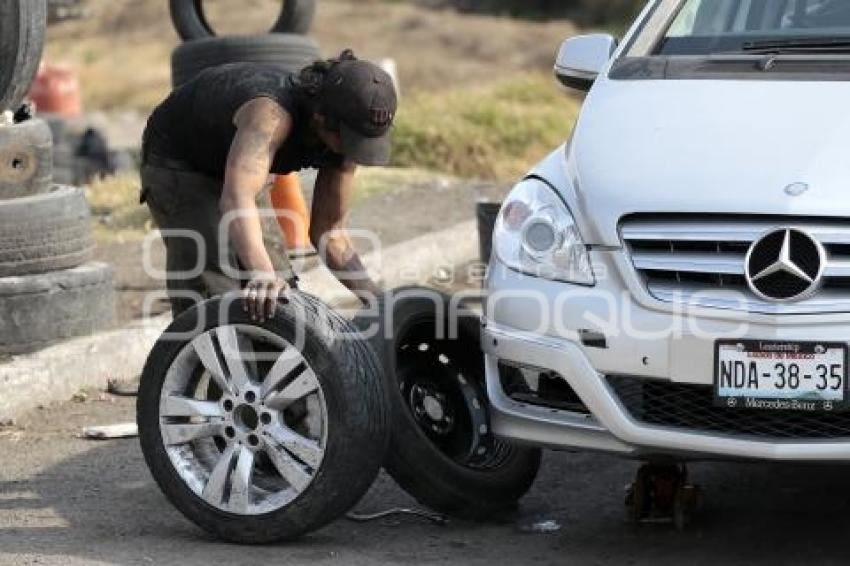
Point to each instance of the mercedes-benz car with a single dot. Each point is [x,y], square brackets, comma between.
[674,281]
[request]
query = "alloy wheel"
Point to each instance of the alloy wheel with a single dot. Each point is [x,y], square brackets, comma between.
[243,419]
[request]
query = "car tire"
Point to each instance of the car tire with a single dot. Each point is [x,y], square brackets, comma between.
[39,310]
[22,25]
[345,371]
[289,52]
[296,16]
[48,232]
[428,467]
[26,159]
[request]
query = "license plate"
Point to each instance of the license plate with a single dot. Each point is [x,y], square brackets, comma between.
[791,376]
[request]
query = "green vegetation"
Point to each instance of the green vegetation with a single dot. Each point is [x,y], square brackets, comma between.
[115,206]
[489,132]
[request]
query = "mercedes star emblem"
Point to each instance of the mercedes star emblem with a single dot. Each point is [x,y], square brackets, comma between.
[785,265]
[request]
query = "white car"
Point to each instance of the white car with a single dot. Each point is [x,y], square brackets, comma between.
[673,283]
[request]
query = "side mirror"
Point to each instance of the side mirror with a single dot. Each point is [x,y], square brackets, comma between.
[582,58]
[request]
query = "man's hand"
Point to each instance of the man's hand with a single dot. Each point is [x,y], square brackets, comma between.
[262,293]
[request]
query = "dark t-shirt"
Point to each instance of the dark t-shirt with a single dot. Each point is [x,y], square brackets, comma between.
[194,125]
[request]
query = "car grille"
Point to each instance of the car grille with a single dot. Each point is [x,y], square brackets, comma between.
[691,407]
[700,260]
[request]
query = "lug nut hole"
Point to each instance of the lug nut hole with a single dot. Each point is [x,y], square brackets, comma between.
[266,418]
[230,432]
[250,396]
[228,405]
[253,440]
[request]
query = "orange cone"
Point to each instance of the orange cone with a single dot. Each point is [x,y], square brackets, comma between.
[293,218]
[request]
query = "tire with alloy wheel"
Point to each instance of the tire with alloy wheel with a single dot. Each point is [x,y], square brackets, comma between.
[262,432]
[288,52]
[26,159]
[442,449]
[191,22]
[22,25]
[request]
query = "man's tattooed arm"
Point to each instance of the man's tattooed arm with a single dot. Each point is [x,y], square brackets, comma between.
[331,203]
[261,127]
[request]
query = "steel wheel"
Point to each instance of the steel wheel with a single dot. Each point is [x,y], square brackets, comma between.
[449,405]
[443,450]
[243,419]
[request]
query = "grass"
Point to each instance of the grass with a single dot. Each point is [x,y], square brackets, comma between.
[490,132]
[114,202]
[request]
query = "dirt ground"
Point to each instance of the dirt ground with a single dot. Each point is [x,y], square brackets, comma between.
[66,501]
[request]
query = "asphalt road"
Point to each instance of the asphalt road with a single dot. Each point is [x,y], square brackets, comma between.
[69,501]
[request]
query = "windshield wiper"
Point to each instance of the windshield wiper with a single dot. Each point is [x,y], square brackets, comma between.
[799,45]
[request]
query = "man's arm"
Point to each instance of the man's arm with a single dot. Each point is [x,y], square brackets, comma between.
[262,126]
[331,203]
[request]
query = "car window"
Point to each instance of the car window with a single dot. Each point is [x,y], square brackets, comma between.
[715,26]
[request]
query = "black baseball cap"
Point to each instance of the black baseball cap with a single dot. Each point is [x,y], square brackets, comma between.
[361,98]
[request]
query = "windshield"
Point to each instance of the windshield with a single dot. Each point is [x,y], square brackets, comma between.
[705,27]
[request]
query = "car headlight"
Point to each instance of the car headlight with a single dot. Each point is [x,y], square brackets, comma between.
[537,235]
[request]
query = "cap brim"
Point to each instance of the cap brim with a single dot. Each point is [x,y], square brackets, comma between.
[364,150]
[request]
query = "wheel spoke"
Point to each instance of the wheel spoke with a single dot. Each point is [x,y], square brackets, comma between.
[283,366]
[235,349]
[179,406]
[293,472]
[240,481]
[214,490]
[175,434]
[205,348]
[301,386]
[308,451]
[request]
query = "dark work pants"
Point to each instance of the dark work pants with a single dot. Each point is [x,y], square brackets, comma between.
[184,203]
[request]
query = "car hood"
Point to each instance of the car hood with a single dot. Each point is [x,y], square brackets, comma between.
[730,147]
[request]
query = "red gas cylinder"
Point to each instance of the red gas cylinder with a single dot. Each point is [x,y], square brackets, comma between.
[56,90]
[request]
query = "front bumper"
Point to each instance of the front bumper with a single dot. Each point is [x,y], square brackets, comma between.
[514,333]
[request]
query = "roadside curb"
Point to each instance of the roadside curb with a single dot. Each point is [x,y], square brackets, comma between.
[413,261]
[58,372]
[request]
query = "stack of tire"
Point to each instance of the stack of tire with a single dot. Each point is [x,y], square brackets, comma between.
[49,290]
[286,46]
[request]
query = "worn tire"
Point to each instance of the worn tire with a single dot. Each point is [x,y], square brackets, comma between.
[48,232]
[413,460]
[22,25]
[191,23]
[288,52]
[39,310]
[26,159]
[350,376]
